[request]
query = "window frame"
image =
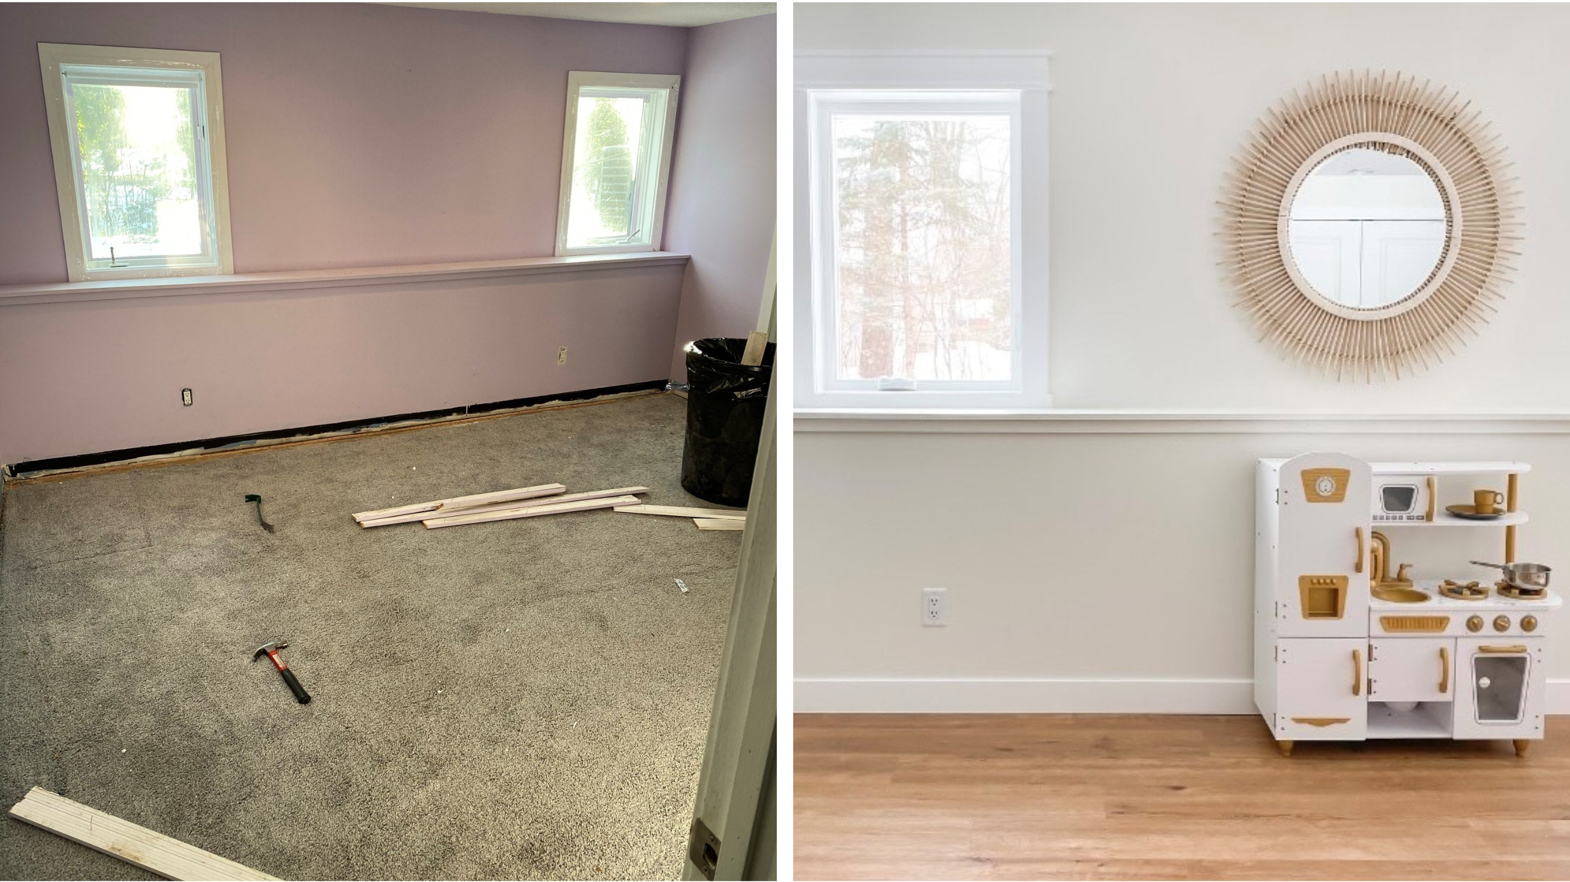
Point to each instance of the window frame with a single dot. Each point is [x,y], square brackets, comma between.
[670,86]
[197,70]
[964,83]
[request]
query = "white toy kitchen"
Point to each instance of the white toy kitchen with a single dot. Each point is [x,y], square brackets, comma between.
[1351,643]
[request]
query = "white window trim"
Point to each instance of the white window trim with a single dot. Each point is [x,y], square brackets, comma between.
[578,80]
[51,56]
[820,79]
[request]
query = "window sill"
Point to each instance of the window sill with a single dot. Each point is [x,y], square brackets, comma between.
[1166,422]
[296,280]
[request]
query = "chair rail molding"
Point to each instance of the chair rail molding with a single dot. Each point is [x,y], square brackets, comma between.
[1170,422]
[300,280]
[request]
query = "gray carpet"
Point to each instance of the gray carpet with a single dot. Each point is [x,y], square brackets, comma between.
[509,700]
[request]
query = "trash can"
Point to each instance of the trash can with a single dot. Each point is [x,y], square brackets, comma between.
[725,404]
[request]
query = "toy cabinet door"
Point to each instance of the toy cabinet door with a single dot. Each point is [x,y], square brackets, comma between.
[1321,689]
[1500,688]
[1412,669]
[1326,517]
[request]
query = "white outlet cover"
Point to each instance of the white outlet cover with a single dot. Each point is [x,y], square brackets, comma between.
[934,607]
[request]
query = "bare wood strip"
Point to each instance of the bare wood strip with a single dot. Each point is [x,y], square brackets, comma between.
[530,512]
[720,524]
[136,845]
[506,506]
[757,345]
[677,511]
[459,502]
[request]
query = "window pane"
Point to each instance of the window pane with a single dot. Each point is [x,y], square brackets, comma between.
[605,170]
[923,246]
[138,156]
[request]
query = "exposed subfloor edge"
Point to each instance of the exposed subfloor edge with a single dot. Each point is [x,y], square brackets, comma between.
[64,468]
[1054,696]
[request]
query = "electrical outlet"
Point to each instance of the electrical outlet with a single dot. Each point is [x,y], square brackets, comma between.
[561,355]
[934,607]
[185,397]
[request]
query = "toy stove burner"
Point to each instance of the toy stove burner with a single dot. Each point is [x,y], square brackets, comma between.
[1462,591]
[1506,589]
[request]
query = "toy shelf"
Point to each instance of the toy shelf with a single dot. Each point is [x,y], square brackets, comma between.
[1446,519]
[1427,720]
[1450,468]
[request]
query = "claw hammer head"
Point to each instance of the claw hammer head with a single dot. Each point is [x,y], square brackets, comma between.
[268,649]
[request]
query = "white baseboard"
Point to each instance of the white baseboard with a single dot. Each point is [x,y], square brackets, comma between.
[890,696]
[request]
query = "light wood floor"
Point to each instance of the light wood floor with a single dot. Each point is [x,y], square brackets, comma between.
[881,796]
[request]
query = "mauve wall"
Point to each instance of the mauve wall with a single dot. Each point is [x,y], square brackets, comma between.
[89,377]
[358,135]
[721,206]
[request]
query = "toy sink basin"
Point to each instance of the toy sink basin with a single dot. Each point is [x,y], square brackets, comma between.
[1400,595]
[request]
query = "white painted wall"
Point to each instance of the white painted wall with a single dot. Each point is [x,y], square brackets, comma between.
[1112,571]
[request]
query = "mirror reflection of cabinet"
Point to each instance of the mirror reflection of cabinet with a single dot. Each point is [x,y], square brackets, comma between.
[1368,227]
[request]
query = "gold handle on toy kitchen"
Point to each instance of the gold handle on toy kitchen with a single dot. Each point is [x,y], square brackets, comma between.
[1358,566]
[1357,672]
[1433,495]
[1444,669]
[1502,650]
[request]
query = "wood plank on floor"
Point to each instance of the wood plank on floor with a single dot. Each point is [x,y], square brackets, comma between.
[474,500]
[1058,796]
[148,849]
[426,514]
[536,511]
[681,511]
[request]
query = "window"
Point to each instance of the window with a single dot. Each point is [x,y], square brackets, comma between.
[925,258]
[137,136]
[615,161]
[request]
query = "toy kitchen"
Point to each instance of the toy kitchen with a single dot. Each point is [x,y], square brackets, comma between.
[1352,644]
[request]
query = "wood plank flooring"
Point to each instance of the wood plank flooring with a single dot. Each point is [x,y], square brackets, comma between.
[922,796]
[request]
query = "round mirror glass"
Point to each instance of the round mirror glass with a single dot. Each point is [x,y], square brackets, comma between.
[1367,228]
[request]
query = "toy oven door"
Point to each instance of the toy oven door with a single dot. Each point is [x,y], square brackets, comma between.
[1501,683]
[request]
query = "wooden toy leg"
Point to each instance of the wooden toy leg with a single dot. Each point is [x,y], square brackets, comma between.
[1521,744]
[1286,747]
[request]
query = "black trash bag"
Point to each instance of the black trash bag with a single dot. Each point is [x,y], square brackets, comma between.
[725,404]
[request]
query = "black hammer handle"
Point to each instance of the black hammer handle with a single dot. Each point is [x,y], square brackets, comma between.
[294,686]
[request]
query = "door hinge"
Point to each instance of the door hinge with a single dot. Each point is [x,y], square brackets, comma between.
[703,848]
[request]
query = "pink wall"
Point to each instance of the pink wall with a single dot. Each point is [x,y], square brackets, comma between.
[358,135]
[721,206]
[95,376]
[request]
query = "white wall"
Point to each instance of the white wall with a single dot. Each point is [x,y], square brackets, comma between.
[1079,560]
[1149,104]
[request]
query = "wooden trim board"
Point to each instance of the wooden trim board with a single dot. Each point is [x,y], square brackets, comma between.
[303,280]
[458,502]
[676,511]
[720,523]
[148,849]
[757,346]
[531,512]
[504,506]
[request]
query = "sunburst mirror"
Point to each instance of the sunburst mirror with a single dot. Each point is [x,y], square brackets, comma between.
[1368,225]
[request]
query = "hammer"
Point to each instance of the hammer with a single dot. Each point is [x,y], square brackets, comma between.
[288,676]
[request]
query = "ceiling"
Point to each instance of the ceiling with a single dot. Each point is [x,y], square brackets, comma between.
[679,15]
